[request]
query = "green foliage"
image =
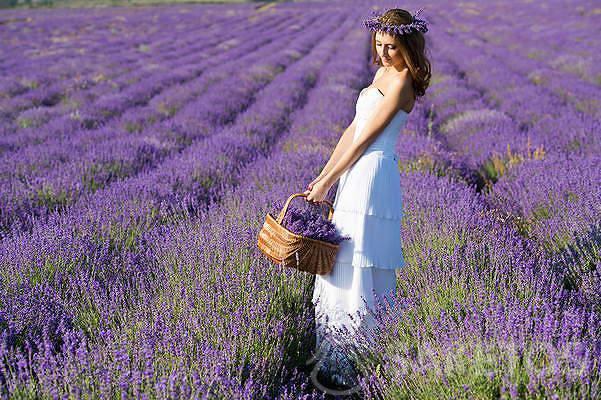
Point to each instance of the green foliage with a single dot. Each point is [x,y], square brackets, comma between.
[48,198]
[540,212]
[143,48]
[96,176]
[27,391]
[87,318]
[46,273]
[124,238]
[423,163]
[88,178]
[535,54]
[574,145]
[166,109]
[206,181]
[577,261]
[25,122]
[571,196]
[132,127]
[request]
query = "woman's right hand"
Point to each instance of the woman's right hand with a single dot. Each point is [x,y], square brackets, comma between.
[313,182]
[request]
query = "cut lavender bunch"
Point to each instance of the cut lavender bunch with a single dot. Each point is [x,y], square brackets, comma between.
[310,223]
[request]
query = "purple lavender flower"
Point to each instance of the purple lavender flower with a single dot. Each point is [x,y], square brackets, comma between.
[310,223]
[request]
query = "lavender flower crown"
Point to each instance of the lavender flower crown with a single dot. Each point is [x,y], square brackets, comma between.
[374,23]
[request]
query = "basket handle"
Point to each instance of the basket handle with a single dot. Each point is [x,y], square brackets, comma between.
[283,212]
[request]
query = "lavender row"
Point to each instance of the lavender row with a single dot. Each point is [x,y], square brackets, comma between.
[60,128]
[538,112]
[489,284]
[457,132]
[487,275]
[100,35]
[224,378]
[159,102]
[46,89]
[550,198]
[481,126]
[554,200]
[474,283]
[581,95]
[225,235]
[94,112]
[98,160]
[466,247]
[563,208]
[481,131]
[570,51]
[112,208]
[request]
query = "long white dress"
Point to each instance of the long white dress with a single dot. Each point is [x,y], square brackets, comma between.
[368,208]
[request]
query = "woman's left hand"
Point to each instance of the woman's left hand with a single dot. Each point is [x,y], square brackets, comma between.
[318,192]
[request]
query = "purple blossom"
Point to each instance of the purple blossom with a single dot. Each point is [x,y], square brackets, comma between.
[311,224]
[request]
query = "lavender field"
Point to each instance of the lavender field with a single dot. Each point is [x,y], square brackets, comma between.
[142,147]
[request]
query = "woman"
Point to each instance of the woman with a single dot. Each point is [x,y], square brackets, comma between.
[368,202]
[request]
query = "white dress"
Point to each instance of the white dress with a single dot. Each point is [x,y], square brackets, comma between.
[368,208]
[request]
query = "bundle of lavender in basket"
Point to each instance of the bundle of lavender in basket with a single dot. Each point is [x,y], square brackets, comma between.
[311,223]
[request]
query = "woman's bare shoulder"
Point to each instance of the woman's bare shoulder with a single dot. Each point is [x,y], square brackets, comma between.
[379,73]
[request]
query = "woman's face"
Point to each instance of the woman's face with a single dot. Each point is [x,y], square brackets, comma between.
[388,49]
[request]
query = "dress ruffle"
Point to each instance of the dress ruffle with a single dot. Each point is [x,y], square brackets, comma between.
[343,290]
[371,186]
[368,208]
[375,241]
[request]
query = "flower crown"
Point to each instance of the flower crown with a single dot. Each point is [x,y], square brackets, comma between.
[374,23]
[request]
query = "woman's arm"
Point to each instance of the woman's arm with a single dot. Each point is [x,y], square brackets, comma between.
[345,140]
[343,144]
[385,112]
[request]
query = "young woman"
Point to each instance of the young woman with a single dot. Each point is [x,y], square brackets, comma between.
[368,202]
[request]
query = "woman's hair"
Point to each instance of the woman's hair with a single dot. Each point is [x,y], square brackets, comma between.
[413,50]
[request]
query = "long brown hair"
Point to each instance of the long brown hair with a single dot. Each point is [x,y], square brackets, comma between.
[413,50]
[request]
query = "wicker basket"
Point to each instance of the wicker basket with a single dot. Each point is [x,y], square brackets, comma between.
[286,248]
